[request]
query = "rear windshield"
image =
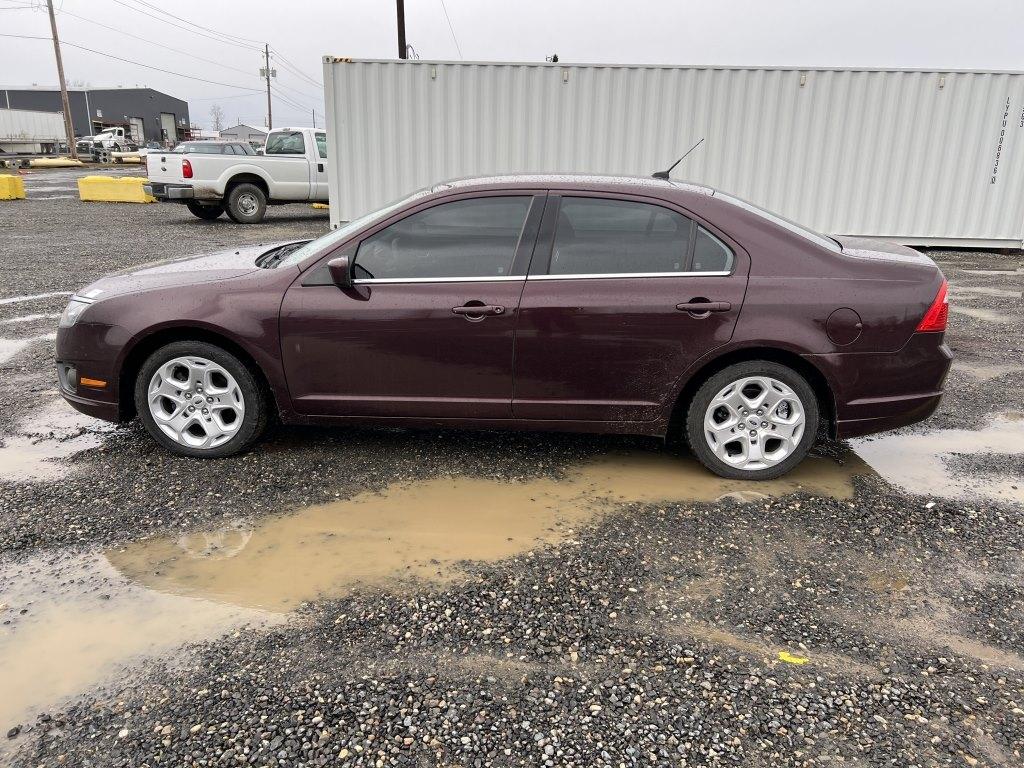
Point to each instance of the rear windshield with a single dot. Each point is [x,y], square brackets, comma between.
[815,237]
[285,143]
[212,148]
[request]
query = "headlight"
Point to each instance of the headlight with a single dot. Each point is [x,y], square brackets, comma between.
[72,312]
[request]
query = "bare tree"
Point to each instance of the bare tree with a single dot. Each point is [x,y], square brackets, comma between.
[217,116]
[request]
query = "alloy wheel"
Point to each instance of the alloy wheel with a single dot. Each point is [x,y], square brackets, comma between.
[754,423]
[196,402]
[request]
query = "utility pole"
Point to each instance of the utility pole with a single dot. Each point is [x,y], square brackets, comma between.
[68,126]
[266,71]
[401,29]
[314,117]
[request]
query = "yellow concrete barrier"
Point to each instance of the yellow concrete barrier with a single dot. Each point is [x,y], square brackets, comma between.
[110,189]
[54,162]
[321,206]
[12,188]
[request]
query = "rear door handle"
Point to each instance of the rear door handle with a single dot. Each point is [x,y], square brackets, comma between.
[479,310]
[704,306]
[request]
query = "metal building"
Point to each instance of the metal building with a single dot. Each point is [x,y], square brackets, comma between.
[150,115]
[922,157]
[243,132]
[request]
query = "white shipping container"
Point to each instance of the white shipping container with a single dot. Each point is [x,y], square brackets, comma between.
[24,130]
[921,157]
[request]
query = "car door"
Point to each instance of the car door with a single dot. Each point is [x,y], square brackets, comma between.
[427,329]
[318,169]
[623,295]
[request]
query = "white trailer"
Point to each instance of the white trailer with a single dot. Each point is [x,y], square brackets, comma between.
[24,131]
[920,157]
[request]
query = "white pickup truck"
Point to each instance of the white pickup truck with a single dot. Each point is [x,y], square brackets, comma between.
[211,177]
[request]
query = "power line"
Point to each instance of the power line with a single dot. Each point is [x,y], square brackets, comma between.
[153,42]
[451,29]
[136,63]
[186,29]
[193,24]
[294,69]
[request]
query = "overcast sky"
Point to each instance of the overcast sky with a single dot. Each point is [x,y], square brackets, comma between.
[941,34]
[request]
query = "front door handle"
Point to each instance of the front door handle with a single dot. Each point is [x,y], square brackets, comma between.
[478,310]
[703,307]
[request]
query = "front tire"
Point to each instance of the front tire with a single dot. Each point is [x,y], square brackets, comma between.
[205,212]
[246,204]
[197,399]
[752,421]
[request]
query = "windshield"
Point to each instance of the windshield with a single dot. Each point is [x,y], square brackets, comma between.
[815,237]
[343,232]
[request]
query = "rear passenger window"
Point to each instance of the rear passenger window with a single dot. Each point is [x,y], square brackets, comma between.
[466,238]
[595,236]
[710,254]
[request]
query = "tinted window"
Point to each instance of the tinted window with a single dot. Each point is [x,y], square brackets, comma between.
[600,237]
[321,144]
[200,148]
[467,238]
[710,254]
[290,143]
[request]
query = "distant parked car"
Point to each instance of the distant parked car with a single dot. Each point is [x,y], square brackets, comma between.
[595,304]
[209,181]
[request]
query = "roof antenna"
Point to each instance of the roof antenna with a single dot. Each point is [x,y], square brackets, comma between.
[664,174]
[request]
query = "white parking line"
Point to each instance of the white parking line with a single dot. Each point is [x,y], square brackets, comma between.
[11,347]
[35,297]
[29,318]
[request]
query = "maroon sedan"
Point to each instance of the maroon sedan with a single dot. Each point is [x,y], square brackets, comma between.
[597,304]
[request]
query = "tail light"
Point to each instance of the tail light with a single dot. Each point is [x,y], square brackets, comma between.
[934,319]
[186,169]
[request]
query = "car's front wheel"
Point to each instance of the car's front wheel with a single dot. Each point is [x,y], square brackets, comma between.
[754,420]
[197,399]
[205,212]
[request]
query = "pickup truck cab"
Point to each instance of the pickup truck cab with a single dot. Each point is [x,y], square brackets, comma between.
[214,177]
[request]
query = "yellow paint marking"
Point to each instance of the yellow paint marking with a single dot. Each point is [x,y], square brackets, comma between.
[789,658]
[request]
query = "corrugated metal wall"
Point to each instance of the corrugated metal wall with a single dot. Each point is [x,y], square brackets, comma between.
[909,155]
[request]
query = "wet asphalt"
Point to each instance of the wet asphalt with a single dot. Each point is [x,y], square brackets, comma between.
[651,636]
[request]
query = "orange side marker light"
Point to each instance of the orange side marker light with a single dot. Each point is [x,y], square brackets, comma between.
[94,383]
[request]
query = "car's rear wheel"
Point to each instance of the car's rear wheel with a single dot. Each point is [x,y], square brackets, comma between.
[754,420]
[207,212]
[246,204]
[197,399]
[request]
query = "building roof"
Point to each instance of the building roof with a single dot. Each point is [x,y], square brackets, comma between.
[258,128]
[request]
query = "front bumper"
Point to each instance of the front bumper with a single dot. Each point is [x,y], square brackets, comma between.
[169,191]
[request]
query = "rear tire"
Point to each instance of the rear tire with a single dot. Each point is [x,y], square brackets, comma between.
[246,204]
[205,212]
[773,402]
[197,399]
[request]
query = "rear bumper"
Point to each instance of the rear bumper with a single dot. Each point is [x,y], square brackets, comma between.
[875,392]
[172,192]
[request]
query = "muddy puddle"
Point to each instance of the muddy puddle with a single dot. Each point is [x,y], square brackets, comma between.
[921,463]
[68,624]
[423,530]
[39,442]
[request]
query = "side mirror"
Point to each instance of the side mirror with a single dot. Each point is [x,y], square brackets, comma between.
[341,271]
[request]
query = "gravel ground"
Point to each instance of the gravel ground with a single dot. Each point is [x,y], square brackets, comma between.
[651,637]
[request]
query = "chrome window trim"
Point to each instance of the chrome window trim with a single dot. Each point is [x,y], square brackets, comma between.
[602,276]
[396,280]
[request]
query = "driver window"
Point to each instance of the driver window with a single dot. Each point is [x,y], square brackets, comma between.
[465,238]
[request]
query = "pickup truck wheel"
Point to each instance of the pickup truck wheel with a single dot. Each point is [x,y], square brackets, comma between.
[207,212]
[247,204]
